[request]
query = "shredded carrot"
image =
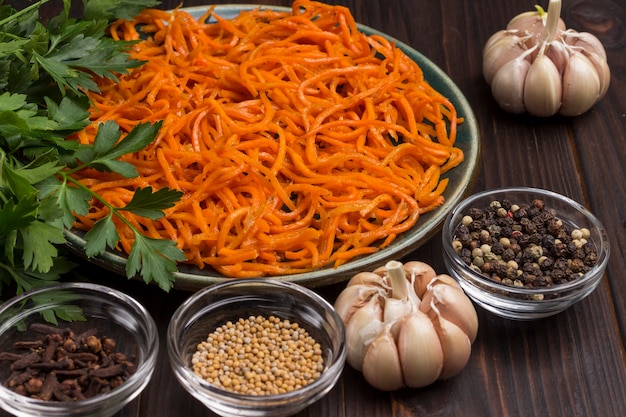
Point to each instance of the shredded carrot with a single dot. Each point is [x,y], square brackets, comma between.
[299,142]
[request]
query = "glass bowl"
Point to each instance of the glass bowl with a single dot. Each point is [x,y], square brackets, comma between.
[214,306]
[511,299]
[79,310]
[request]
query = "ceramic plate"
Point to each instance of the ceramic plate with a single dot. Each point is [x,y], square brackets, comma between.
[461,181]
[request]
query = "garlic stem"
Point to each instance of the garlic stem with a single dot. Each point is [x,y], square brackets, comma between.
[552,23]
[397,279]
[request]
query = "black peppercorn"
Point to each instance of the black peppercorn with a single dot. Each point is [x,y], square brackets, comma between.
[475,213]
[476,225]
[553,226]
[466,255]
[461,229]
[520,214]
[547,264]
[548,241]
[508,254]
[464,238]
[530,228]
[497,248]
[536,239]
[559,249]
[533,211]
[591,258]
[577,265]
[506,203]
[538,204]
[523,240]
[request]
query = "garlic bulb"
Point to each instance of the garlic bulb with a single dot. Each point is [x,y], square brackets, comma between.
[406,325]
[538,66]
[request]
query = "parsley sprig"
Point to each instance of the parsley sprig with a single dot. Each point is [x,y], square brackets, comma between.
[45,71]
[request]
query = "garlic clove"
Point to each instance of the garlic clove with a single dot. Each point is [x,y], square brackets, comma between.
[494,38]
[395,309]
[381,364]
[603,71]
[419,274]
[532,23]
[585,41]
[451,303]
[455,345]
[421,355]
[557,53]
[444,279]
[581,85]
[507,85]
[363,327]
[542,88]
[593,49]
[366,278]
[506,47]
[353,298]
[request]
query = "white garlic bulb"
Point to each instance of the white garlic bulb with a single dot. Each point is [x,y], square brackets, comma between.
[406,325]
[538,66]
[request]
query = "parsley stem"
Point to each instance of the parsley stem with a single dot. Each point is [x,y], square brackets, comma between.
[21,12]
[114,210]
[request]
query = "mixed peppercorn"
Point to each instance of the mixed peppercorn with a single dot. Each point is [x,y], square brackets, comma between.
[259,356]
[523,245]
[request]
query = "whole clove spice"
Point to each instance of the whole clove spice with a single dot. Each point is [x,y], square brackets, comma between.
[59,365]
[523,245]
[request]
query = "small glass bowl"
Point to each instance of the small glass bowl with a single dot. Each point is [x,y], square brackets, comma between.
[110,312]
[522,303]
[213,306]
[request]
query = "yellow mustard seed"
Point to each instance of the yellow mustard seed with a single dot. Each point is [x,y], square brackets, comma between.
[259,356]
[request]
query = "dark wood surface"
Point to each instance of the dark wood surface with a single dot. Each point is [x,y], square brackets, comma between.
[572,364]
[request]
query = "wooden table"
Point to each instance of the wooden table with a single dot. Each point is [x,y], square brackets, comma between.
[572,364]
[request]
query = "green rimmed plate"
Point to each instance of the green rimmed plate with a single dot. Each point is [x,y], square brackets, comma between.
[461,180]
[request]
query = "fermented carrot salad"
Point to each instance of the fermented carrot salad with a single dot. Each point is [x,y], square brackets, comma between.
[298,141]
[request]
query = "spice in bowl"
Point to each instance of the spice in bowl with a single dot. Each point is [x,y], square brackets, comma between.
[55,364]
[259,356]
[74,350]
[524,245]
[257,347]
[524,253]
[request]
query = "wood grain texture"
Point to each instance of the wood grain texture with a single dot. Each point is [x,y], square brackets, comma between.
[571,364]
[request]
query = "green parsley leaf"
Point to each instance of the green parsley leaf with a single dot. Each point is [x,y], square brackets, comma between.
[141,136]
[107,147]
[71,114]
[147,204]
[70,200]
[39,250]
[14,180]
[65,311]
[101,236]
[115,9]
[14,216]
[155,258]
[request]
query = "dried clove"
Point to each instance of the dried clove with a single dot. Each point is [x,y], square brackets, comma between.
[62,366]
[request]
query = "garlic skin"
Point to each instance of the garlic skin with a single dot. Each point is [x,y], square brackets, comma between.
[406,326]
[538,66]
